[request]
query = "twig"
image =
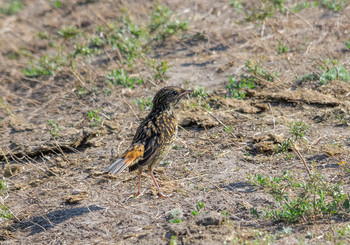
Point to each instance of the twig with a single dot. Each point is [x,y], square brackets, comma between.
[296,151]
[124,100]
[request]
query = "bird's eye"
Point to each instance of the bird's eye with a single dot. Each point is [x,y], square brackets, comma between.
[175,92]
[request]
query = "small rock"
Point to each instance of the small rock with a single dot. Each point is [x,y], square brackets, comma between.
[76,197]
[11,170]
[210,218]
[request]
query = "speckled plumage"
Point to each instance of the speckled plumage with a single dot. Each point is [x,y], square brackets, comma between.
[154,136]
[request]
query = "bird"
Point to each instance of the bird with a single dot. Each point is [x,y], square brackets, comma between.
[153,137]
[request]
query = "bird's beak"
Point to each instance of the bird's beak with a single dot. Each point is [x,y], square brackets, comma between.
[184,92]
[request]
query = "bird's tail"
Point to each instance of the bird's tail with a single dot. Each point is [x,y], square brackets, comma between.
[131,156]
[117,166]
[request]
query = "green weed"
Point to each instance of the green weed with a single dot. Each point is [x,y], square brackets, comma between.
[236,4]
[343,231]
[46,66]
[347,43]
[163,25]
[55,3]
[297,199]
[304,5]
[119,77]
[174,216]
[173,240]
[43,35]
[314,76]
[54,128]
[236,88]
[95,119]
[144,104]
[282,48]
[265,9]
[69,32]
[228,129]
[83,50]
[5,213]
[80,91]
[329,71]
[333,71]
[201,95]
[258,72]
[297,131]
[199,206]
[335,5]
[11,7]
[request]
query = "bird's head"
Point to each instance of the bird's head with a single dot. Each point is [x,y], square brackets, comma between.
[167,97]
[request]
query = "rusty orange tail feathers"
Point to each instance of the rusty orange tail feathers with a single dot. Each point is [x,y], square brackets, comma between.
[130,156]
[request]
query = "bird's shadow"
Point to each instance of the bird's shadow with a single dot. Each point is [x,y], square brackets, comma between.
[38,224]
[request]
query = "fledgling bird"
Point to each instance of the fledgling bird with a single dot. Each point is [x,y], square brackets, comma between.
[154,136]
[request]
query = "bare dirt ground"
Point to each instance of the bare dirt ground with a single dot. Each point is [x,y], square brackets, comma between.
[56,190]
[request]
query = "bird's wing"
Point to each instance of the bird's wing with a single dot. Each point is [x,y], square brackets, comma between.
[154,135]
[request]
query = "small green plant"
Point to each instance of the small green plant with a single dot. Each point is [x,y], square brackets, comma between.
[330,71]
[163,25]
[43,35]
[47,66]
[55,3]
[225,213]
[68,32]
[174,216]
[297,131]
[119,77]
[54,128]
[161,70]
[236,4]
[5,213]
[199,206]
[335,5]
[304,5]
[314,76]
[343,231]
[200,92]
[282,48]
[83,50]
[95,119]
[236,88]
[347,44]
[257,72]
[81,91]
[173,240]
[333,71]
[228,129]
[11,7]
[144,104]
[265,9]
[201,96]
[298,199]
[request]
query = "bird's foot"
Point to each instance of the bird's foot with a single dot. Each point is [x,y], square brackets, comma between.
[137,195]
[160,194]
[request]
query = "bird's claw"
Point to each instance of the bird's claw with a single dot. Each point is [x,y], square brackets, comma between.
[160,194]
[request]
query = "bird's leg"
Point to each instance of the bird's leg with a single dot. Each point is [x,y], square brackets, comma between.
[139,191]
[160,194]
